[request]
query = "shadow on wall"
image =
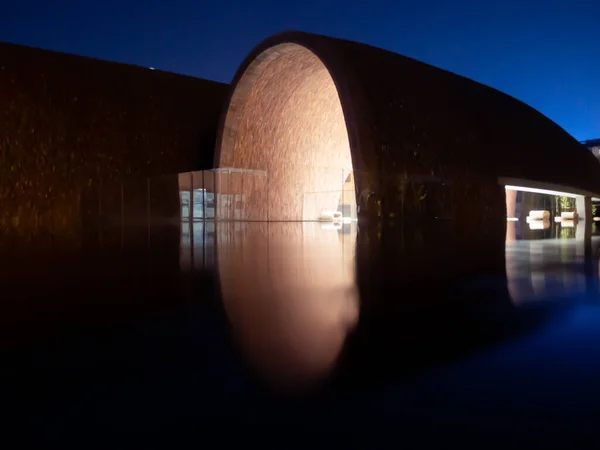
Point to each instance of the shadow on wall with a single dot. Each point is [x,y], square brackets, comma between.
[306,301]
[290,295]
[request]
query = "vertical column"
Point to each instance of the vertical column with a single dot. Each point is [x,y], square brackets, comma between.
[583,206]
[583,233]
[203,198]
[191,201]
[191,224]
[217,193]
[511,202]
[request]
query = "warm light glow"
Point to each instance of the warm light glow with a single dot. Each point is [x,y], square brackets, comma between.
[512,219]
[541,191]
[290,295]
[285,117]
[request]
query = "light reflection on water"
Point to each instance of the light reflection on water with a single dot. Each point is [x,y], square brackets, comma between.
[290,294]
[542,270]
[316,260]
[303,304]
[550,264]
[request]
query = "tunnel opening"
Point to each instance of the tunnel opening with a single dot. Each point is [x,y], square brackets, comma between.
[534,213]
[286,122]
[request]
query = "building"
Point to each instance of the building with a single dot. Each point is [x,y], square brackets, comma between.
[302,113]
[594,146]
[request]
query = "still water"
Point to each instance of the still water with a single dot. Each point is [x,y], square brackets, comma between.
[303,335]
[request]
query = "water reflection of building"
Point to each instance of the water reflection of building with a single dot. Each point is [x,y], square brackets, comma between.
[197,246]
[289,292]
[546,267]
[546,229]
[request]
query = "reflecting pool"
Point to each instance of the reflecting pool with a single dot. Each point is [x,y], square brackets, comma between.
[333,333]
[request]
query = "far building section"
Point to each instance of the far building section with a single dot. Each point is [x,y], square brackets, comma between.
[594,146]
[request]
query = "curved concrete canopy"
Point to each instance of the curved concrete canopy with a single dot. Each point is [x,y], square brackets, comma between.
[405,120]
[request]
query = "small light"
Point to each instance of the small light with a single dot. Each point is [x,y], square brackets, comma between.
[151,68]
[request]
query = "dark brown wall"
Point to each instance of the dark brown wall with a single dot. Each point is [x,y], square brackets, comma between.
[67,122]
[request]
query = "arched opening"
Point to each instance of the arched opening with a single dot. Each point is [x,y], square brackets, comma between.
[285,120]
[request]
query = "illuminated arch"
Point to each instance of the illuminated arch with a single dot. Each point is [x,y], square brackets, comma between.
[409,127]
[285,118]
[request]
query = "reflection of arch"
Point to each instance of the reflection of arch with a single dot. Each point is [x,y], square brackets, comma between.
[290,294]
[285,117]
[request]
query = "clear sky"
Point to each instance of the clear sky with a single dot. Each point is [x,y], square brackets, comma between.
[544,52]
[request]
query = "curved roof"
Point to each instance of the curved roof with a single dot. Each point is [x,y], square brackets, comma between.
[402,114]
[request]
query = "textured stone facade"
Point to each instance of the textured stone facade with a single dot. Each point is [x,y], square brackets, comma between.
[285,118]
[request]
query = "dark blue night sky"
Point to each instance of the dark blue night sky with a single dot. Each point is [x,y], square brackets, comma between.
[544,52]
